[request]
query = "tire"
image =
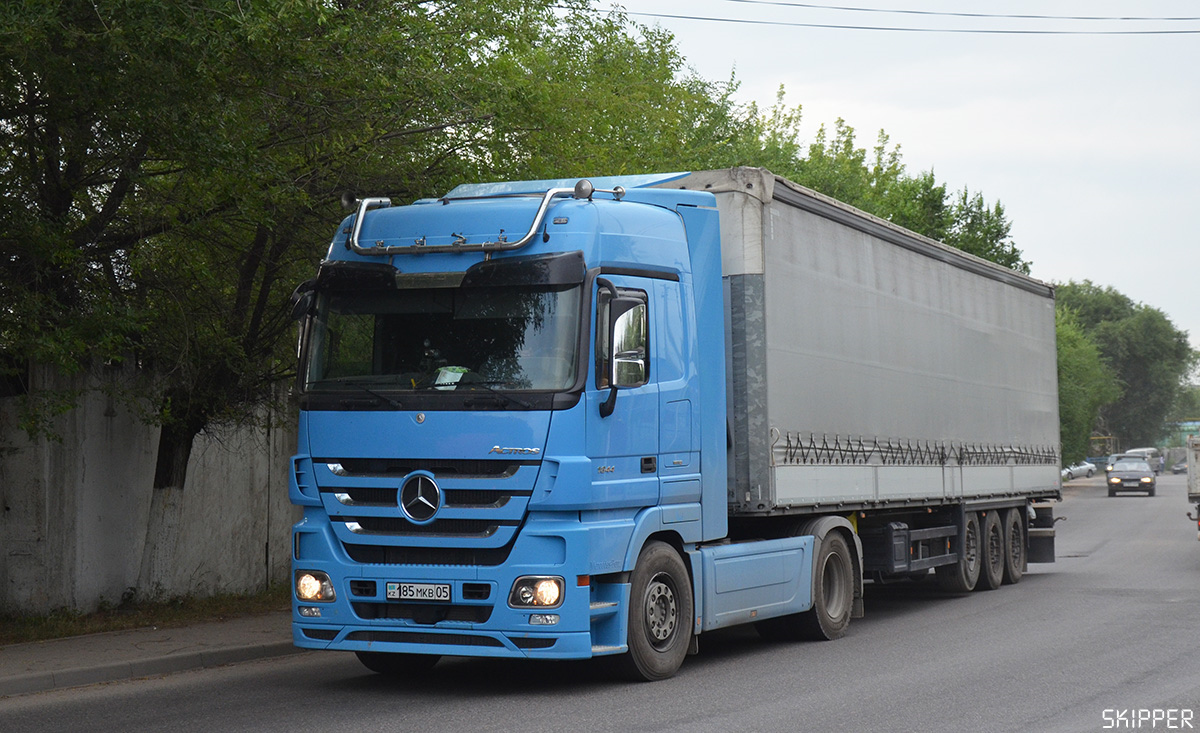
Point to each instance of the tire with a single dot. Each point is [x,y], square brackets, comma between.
[1014,545]
[660,615]
[1111,493]
[1089,473]
[833,591]
[833,598]
[991,574]
[961,577]
[397,665]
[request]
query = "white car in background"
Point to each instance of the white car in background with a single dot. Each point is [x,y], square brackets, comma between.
[1074,471]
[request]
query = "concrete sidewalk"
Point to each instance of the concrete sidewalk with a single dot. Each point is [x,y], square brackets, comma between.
[121,655]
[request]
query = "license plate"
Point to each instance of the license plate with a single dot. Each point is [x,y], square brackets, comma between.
[418,591]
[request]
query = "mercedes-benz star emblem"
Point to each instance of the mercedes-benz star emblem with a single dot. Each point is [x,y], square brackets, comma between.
[420,498]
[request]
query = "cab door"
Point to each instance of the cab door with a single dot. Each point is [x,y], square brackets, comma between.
[623,425]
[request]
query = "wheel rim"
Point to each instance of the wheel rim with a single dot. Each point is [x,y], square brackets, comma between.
[662,611]
[1016,547]
[835,583]
[996,548]
[971,551]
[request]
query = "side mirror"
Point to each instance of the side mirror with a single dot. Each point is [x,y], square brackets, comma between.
[623,348]
[629,343]
[302,299]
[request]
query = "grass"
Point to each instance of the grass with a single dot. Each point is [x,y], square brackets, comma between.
[139,614]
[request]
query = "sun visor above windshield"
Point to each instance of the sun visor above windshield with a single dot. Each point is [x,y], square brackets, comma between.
[338,275]
[565,268]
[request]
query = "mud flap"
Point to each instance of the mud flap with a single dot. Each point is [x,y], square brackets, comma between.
[1041,534]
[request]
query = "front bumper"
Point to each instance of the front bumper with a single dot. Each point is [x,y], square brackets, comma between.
[478,620]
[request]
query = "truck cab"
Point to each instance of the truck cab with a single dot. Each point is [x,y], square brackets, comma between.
[491,431]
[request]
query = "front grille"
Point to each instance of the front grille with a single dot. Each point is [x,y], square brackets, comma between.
[440,468]
[457,498]
[482,502]
[422,613]
[362,588]
[423,637]
[392,555]
[397,526]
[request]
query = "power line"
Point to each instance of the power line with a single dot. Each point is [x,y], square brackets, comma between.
[783,3]
[838,26]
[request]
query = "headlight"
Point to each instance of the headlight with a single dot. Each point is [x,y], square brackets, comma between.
[536,591]
[1114,480]
[314,585]
[1147,479]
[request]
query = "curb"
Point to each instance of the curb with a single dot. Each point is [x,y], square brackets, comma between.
[120,671]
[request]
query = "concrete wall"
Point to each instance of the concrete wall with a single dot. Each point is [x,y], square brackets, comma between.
[81,524]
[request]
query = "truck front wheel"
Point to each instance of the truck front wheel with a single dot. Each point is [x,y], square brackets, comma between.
[660,614]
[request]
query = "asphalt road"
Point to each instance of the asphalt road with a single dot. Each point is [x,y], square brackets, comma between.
[1081,645]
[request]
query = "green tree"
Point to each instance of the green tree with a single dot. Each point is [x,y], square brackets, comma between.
[876,182]
[1151,357]
[1085,384]
[983,231]
[170,170]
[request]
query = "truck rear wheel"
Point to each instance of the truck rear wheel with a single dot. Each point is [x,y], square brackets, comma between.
[833,599]
[962,576]
[833,591]
[397,665]
[991,575]
[660,615]
[1014,544]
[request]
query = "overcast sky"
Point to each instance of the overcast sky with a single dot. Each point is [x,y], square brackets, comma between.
[1091,142]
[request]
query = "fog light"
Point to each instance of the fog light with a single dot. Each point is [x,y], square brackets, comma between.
[543,619]
[533,591]
[314,585]
[310,612]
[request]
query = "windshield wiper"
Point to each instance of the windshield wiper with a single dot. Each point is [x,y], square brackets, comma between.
[488,386]
[424,385]
[350,381]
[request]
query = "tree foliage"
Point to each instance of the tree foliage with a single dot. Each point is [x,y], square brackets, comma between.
[171,170]
[877,181]
[1150,356]
[1085,384]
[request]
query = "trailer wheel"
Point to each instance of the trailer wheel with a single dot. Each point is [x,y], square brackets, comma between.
[1014,545]
[962,576]
[992,574]
[833,591]
[397,665]
[660,615]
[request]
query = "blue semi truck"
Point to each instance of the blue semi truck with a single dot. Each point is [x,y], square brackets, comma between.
[601,418]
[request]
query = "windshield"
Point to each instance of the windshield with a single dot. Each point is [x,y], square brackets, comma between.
[503,338]
[1132,466]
